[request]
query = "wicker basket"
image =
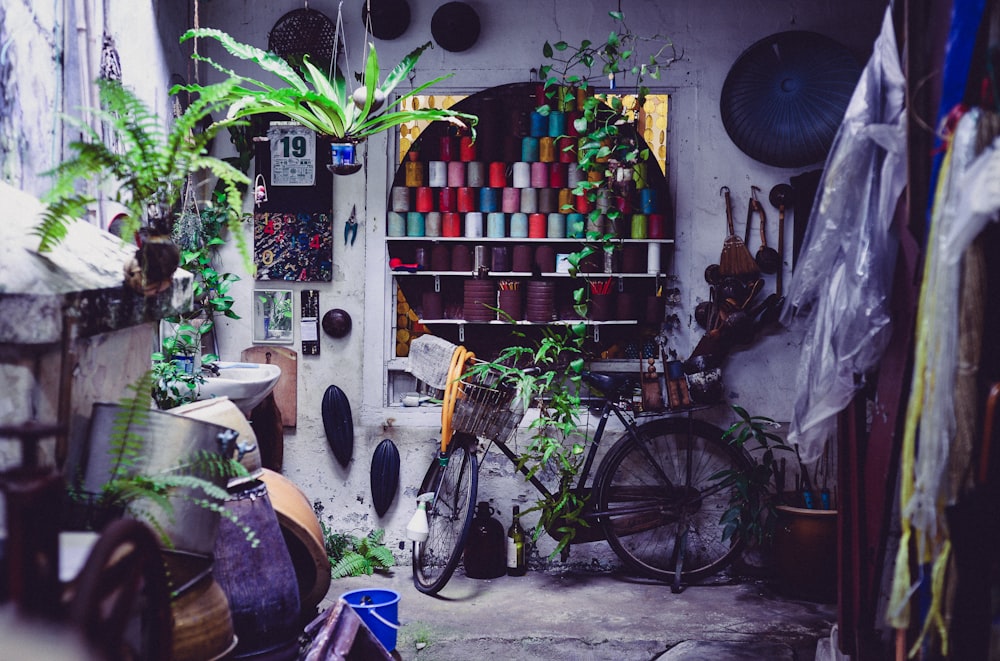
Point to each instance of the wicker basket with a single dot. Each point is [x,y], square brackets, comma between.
[488,407]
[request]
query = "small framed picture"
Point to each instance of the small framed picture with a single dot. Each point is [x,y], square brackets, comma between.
[273,316]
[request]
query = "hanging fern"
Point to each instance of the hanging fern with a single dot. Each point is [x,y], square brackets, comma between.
[148,172]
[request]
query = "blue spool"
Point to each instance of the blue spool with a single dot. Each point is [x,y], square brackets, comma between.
[489,199]
[496,225]
[575,224]
[539,124]
[557,123]
[529,149]
[415,224]
[647,200]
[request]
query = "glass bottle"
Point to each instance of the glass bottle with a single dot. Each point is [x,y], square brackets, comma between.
[516,562]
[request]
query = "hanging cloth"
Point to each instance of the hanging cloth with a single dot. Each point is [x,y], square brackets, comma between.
[841,286]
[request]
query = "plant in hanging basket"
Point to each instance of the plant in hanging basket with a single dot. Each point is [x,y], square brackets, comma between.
[322,103]
[148,174]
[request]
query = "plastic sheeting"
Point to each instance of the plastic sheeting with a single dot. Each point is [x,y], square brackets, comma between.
[842,282]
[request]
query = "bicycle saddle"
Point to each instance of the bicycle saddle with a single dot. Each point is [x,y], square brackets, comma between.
[609,385]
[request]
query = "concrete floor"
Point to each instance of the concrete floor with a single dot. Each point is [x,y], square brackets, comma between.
[579,616]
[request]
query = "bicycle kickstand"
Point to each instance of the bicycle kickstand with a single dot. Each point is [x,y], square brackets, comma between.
[676,587]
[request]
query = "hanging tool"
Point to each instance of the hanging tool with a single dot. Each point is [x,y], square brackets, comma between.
[767,257]
[351,226]
[781,196]
[735,258]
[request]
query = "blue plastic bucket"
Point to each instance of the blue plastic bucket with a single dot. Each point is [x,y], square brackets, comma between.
[379,609]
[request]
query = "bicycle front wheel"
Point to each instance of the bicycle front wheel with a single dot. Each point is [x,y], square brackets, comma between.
[453,478]
[659,504]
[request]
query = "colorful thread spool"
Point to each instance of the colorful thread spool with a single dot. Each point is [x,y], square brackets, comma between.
[432,223]
[657,226]
[446,148]
[547,150]
[466,200]
[529,200]
[498,174]
[496,225]
[522,174]
[475,175]
[539,124]
[424,199]
[647,200]
[557,123]
[565,200]
[489,199]
[400,198]
[456,174]
[575,225]
[548,200]
[396,225]
[640,228]
[510,200]
[537,226]
[451,225]
[447,199]
[415,224]
[466,148]
[539,175]
[413,173]
[529,149]
[473,224]
[519,225]
[557,175]
[556,226]
[437,174]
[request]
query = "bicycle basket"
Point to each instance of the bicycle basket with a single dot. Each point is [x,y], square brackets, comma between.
[488,406]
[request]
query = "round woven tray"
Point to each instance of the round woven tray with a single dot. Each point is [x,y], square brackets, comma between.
[303,32]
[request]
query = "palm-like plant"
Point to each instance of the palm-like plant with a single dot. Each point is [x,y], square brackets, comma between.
[325,103]
[149,171]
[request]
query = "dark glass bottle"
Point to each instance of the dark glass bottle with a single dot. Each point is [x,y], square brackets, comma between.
[517,563]
[484,549]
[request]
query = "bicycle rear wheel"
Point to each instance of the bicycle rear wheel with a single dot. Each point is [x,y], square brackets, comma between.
[453,478]
[658,504]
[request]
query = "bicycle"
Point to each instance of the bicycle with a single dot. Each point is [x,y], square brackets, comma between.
[656,494]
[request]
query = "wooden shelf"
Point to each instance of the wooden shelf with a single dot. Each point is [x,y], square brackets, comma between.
[486,239]
[526,274]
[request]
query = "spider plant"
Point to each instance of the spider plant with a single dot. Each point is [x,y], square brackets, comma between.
[150,170]
[325,104]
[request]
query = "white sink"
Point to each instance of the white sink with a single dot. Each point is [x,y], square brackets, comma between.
[246,384]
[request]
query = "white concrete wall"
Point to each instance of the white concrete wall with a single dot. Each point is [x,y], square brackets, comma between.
[711,34]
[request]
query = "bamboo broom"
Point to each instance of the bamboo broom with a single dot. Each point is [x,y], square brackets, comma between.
[736,258]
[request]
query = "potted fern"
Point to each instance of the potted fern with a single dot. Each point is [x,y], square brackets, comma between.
[355,556]
[149,174]
[326,104]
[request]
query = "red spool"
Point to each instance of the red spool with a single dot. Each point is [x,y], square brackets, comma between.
[425,199]
[451,224]
[466,148]
[466,199]
[657,226]
[557,175]
[446,146]
[498,174]
[447,198]
[582,204]
[537,226]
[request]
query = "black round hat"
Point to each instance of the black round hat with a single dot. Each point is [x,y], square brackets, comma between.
[785,97]
[389,18]
[455,26]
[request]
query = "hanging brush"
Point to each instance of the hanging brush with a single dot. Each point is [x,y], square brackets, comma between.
[736,258]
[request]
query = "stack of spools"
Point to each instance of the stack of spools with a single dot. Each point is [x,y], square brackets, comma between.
[540,306]
[480,296]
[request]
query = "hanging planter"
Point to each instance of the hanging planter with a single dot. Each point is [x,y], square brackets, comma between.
[344,157]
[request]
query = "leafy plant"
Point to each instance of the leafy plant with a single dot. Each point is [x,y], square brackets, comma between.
[547,374]
[319,102]
[354,556]
[148,174]
[147,496]
[752,514]
[609,140]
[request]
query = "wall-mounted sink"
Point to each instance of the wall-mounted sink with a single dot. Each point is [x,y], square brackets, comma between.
[246,384]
